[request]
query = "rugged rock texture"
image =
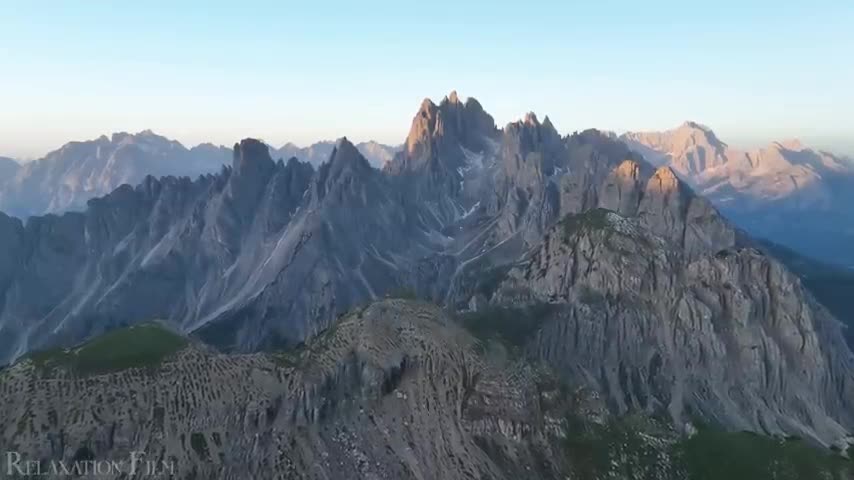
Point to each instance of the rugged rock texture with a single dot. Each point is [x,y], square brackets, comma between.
[729,337]
[260,242]
[266,254]
[767,190]
[393,391]
[445,142]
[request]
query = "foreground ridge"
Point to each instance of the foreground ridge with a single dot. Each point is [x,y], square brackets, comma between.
[393,390]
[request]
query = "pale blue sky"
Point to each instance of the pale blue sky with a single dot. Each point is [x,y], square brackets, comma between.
[302,71]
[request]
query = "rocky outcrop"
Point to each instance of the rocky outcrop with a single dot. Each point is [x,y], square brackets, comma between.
[669,208]
[393,390]
[730,337]
[445,141]
[439,133]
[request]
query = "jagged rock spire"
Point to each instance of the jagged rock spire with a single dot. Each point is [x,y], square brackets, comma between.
[251,155]
[438,131]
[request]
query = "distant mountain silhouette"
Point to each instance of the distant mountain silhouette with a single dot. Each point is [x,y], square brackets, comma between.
[785,192]
[376,153]
[65,179]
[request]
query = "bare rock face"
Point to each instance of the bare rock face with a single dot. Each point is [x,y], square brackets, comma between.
[440,132]
[443,143]
[394,390]
[623,189]
[670,209]
[230,255]
[729,337]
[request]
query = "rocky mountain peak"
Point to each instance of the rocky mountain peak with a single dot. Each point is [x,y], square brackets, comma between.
[346,155]
[547,123]
[692,125]
[529,135]
[346,168]
[423,128]
[692,134]
[531,119]
[439,134]
[147,136]
[792,144]
[690,149]
[251,155]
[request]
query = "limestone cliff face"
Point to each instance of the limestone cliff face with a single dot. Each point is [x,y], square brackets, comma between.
[730,336]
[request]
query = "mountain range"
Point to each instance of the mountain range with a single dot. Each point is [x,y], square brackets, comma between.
[66,179]
[549,285]
[765,191]
[377,154]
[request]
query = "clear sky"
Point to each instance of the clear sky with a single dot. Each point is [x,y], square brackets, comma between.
[754,70]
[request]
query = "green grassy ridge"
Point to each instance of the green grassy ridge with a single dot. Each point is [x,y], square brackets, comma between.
[622,447]
[139,346]
[595,219]
[717,455]
[511,326]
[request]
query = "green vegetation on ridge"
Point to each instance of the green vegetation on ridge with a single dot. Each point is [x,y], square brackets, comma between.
[634,447]
[594,219]
[140,346]
[718,455]
[511,326]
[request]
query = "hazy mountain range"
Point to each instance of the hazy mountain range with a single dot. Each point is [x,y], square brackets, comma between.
[561,295]
[786,191]
[377,154]
[65,179]
[764,191]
